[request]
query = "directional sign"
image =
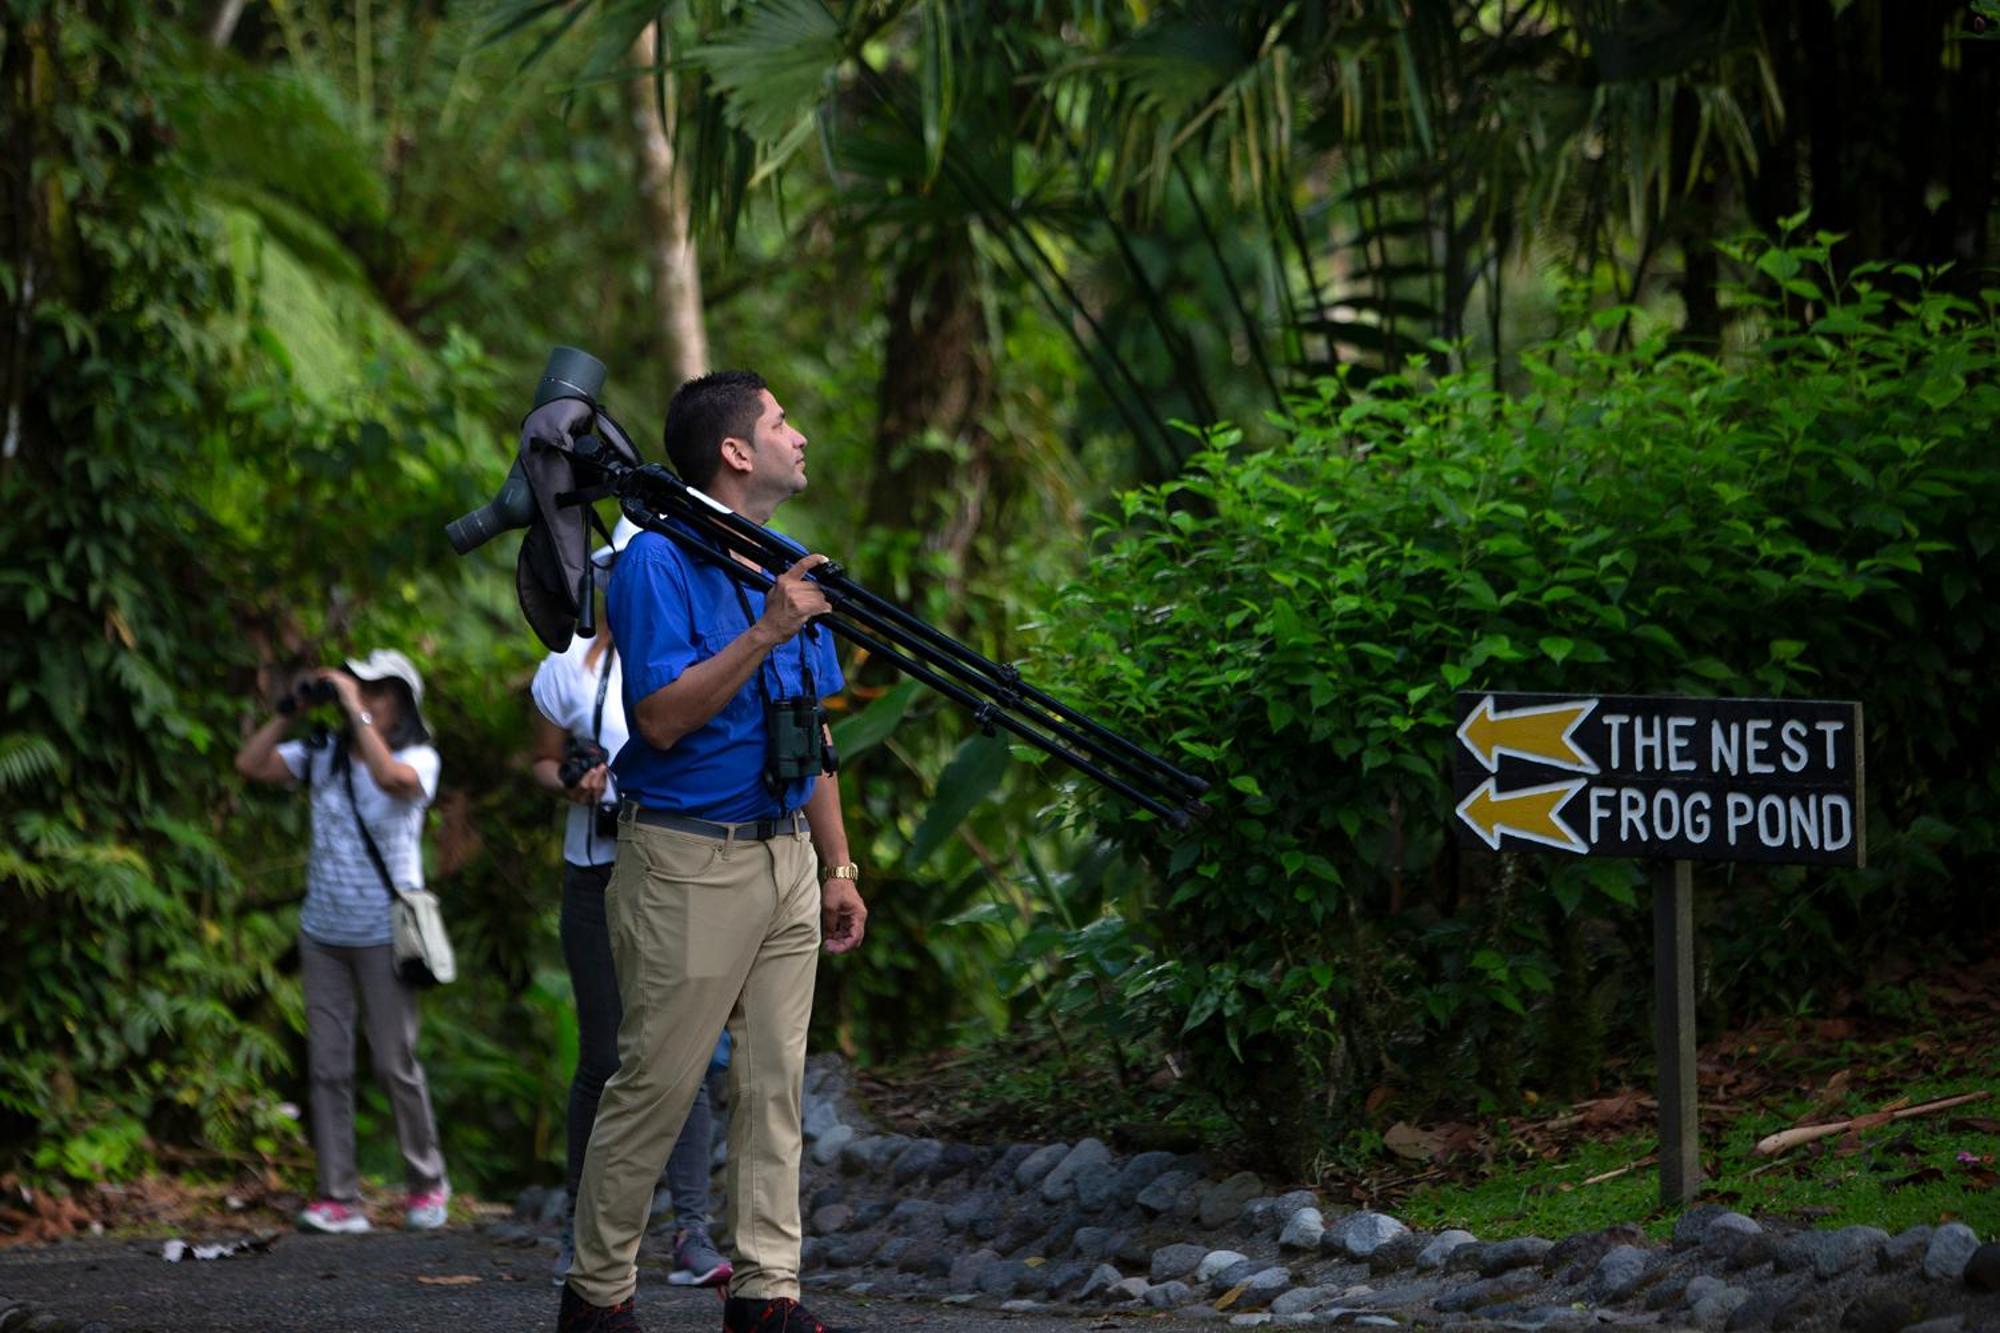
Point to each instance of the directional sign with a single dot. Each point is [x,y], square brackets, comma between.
[1776,780]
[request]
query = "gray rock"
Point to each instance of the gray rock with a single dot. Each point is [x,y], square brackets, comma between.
[1399,1296]
[1951,1323]
[1738,1250]
[1140,1171]
[1065,1278]
[1037,1165]
[1848,1248]
[1951,1248]
[1359,1235]
[1002,1172]
[1060,1182]
[1617,1275]
[1766,1300]
[915,1162]
[958,1216]
[1158,1196]
[1906,1247]
[1692,1225]
[1093,1242]
[1828,1254]
[1233,1276]
[1487,1291]
[1257,1214]
[1396,1252]
[1262,1287]
[1007,1277]
[955,1158]
[1502,1255]
[1216,1262]
[1129,1289]
[915,1217]
[858,1155]
[827,1220]
[1223,1201]
[1806,1309]
[966,1268]
[1440,1247]
[1717,1306]
[852,1251]
[1102,1278]
[1982,1270]
[892,1251]
[1573,1257]
[1169,1295]
[1736,1222]
[867,1212]
[820,1116]
[1883,1311]
[1301,1300]
[1131,1250]
[1302,1230]
[1172,1261]
[1020,1306]
[555,1207]
[1291,1205]
[925,1256]
[1700,1287]
[1249,1320]
[1056,1240]
[827,1150]
[1096,1187]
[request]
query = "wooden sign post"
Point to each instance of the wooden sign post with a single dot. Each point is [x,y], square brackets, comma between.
[1672,781]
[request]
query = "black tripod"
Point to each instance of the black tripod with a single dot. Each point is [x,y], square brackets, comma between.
[997,697]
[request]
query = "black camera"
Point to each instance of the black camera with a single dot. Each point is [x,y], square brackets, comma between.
[308,694]
[579,757]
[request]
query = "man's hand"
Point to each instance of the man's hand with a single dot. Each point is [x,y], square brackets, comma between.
[589,789]
[843,916]
[793,600]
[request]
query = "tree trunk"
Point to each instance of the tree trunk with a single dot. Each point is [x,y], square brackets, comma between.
[222,22]
[934,465]
[663,184]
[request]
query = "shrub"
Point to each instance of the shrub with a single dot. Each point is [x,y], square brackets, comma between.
[1813,515]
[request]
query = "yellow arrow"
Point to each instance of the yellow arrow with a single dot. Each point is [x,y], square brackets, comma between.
[1534,813]
[1540,732]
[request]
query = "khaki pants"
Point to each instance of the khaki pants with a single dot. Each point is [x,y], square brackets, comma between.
[703,931]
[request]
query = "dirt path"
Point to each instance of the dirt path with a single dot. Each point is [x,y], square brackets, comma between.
[338,1284]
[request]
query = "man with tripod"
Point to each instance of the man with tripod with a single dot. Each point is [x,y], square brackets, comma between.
[717,908]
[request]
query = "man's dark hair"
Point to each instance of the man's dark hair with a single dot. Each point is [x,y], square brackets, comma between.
[706,411]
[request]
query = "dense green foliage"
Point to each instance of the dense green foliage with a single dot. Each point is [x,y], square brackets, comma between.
[1811,515]
[270,296]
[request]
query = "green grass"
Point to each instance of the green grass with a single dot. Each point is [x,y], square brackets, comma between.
[1903,1173]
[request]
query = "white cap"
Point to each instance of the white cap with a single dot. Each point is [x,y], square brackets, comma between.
[604,556]
[388,664]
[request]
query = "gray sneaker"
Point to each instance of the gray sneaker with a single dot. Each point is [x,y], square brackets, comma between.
[697,1263]
[565,1254]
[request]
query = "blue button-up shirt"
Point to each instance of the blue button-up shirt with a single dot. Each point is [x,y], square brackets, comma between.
[668,609]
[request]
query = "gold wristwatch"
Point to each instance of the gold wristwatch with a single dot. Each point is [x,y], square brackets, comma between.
[845,870]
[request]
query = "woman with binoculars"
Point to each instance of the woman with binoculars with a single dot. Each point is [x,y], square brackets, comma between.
[368,788]
[579,727]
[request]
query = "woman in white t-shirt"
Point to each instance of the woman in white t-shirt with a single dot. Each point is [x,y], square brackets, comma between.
[381,772]
[579,700]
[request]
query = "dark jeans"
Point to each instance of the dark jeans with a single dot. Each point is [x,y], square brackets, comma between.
[586,941]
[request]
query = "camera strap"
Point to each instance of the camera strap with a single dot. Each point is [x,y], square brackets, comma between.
[367,838]
[597,732]
[603,685]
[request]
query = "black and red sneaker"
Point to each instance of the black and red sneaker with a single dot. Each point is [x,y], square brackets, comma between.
[771,1314]
[578,1316]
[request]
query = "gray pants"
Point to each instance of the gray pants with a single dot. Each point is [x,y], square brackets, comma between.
[586,941]
[334,977]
